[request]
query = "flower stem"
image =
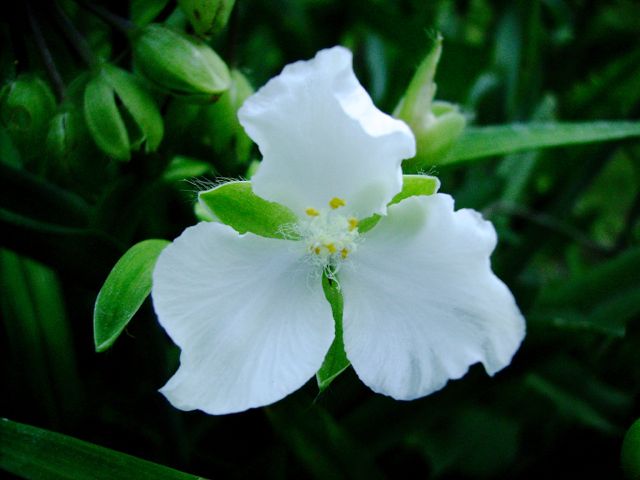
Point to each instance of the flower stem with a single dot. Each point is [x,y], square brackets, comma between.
[75,38]
[45,53]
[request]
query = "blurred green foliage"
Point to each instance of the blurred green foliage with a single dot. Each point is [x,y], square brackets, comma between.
[100,136]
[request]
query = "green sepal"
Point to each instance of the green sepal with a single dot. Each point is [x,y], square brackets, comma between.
[412,185]
[207,16]
[104,120]
[630,455]
[124,291]
[235,204]
[138,103]
[336,361]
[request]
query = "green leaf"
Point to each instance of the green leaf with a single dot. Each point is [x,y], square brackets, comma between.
[630,456]
[489,141]
[336,360]
[412,185]
[138,103]
[32,452]
[126,287]
[104,121]
[236,205]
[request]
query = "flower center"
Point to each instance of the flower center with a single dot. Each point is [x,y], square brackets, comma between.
[329,236]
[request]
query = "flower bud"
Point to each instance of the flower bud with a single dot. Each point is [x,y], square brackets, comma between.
[207,16]
[26,106]
[104,120]
[436,124]
[179,64]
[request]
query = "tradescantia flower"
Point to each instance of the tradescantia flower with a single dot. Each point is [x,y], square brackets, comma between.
[421,303]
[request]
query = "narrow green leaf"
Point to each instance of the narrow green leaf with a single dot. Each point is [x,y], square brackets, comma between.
[39,334]
[104,121]
[630,456]
[336,360]
[479,142]
[412,185]
[139,103]
[236,205]
[122,294]
[32,452]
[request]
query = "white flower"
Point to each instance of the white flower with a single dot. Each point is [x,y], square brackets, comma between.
[421,303]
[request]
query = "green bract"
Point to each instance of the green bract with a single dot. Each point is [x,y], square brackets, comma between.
[180,64]
[122,294]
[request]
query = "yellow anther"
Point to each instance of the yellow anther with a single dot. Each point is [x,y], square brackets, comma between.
[331,247]
[336,202]
[316,250]
[344,252]
[312,212]
[353,224]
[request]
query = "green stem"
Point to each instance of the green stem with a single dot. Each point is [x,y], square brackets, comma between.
[45,53]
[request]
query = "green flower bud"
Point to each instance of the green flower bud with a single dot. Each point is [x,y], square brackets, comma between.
[108,124]
[222,130]
[26,106]
[179,64]
[139,104]
[60,139]
[104,120]
[436,124]
[207,16]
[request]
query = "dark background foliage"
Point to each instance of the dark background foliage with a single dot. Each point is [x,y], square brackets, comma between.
[568,223]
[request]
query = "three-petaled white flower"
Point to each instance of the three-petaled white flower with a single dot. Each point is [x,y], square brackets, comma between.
[421,303]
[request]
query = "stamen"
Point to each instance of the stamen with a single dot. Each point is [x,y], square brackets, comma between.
[344,252]
[336,202]
[353,224]
[316,250]
[331,247]
[312,212]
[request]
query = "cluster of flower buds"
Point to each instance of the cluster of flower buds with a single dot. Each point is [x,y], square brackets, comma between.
[106,110]
[436,124]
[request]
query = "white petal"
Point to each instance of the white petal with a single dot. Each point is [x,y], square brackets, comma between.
[321,137]
[252,324]
[421,303]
